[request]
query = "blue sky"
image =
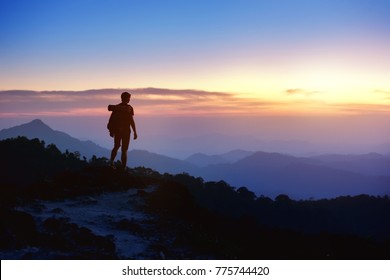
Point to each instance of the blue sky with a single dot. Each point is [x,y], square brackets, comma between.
[209,45]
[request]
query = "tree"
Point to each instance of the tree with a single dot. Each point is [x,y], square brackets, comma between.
[282,198]
[246,194]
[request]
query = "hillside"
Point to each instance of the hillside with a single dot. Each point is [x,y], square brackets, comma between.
[38,129]
[369,164]
[203,160]
[86,210]
[158,162]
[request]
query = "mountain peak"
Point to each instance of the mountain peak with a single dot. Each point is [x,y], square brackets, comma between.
[37,121]
[37,124]
[38,129]
[34,127]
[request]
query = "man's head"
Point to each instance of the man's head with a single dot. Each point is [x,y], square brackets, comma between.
[125,96]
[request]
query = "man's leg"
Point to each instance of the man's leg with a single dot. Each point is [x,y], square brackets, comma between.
[117,144]
[124,158]
[125,147]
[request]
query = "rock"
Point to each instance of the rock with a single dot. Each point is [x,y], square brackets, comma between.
[17,229]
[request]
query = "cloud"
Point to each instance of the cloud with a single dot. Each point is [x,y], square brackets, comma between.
[358,108]
[146,101]
[299,91]
[386,93]
[167,102]
[382,91]
[194,102]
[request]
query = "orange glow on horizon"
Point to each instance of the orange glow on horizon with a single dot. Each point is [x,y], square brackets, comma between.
[166,102]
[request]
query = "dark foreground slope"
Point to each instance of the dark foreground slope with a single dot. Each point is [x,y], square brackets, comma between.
[47,205]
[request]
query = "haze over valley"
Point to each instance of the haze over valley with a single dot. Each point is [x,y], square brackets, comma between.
[265,173]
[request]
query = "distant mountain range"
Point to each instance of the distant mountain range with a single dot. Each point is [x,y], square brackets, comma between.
[272,173]
[219,143]
[203,160]
[264,173]
[163,164]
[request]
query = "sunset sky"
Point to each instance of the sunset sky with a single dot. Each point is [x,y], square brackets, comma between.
[243,58]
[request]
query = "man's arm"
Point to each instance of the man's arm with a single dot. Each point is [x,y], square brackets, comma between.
[132,124]
[119,108]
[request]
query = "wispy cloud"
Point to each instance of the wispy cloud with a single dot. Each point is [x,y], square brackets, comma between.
[382,91]
[386,93]
[300,92]
[150,101]
[358,108]
[167,102]
[192,102]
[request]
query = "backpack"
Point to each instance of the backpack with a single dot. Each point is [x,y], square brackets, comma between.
[117,119]
[112,124]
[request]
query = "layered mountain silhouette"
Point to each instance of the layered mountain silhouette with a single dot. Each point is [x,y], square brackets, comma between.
[368,164]
[158,162]
[272,173]
[264,173]
[203,160]
[38,129]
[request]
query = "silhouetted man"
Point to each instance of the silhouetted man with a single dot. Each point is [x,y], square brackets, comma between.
[120,124]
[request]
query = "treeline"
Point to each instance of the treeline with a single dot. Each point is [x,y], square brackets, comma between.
[30,169]
[24,161]
[361,215]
